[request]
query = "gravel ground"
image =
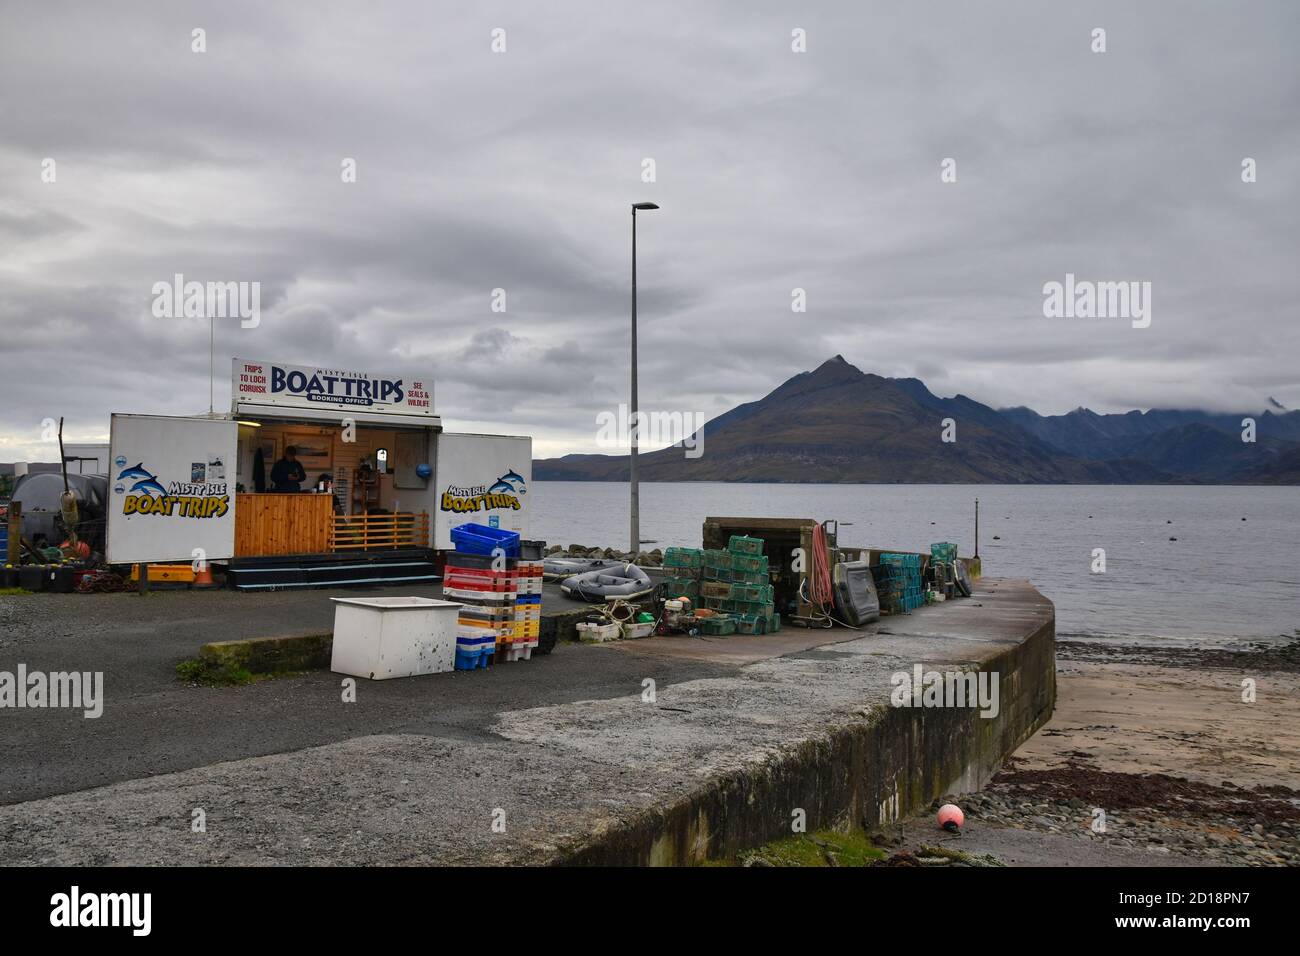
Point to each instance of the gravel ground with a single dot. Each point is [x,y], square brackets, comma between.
[559,749]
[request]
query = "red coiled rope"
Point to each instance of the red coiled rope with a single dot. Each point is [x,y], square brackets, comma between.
[820,593]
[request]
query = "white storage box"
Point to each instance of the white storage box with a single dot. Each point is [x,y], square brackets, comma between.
[599,632]
[387,637]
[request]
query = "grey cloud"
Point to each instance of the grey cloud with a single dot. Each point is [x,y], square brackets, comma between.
[775,170]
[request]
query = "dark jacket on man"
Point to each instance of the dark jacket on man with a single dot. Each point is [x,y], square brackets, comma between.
[287,475]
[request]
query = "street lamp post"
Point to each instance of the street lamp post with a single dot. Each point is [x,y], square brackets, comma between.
[633,419]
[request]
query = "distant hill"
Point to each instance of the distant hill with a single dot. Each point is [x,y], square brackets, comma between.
[1083,432]
[840,424]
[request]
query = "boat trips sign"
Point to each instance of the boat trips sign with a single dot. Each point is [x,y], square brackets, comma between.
[482,479]
[271,383]
[171,494]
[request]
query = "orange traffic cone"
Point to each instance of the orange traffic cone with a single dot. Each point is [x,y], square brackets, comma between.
[203,576]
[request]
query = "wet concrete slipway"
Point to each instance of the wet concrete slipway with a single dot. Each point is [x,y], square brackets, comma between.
[561,759]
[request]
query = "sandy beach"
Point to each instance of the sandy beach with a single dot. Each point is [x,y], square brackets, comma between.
[1152,757]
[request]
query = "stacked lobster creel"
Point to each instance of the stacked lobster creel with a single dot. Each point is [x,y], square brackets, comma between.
[943,561]
[736,588]
[899,582]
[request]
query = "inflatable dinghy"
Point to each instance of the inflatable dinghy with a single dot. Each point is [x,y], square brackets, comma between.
[625,581]
[559,567]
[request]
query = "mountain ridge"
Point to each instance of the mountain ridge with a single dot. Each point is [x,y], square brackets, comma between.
[839,424]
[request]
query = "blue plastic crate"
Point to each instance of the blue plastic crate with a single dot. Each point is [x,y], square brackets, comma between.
[472,660]
[480,539]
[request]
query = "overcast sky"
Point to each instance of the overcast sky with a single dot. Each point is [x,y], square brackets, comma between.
[776,170]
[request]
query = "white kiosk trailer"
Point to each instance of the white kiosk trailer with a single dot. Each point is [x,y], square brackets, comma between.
[385,484]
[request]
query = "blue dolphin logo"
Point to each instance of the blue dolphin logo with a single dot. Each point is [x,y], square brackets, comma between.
[135,471]
[149,485]
[506,484]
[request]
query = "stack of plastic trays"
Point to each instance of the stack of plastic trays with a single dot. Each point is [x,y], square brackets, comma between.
[526,616]
[487,587]
[480,585]
[479,628]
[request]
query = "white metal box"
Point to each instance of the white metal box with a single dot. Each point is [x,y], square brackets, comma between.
[385,637]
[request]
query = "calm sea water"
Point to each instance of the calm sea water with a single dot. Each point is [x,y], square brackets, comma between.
[1223,578]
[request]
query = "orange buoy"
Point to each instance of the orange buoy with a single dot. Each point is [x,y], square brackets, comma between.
[80,549]
[951,817]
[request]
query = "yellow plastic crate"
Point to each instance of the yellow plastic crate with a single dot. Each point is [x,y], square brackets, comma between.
[175,573]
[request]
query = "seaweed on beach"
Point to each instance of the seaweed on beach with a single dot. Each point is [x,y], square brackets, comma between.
[1257,656]
[1153,791]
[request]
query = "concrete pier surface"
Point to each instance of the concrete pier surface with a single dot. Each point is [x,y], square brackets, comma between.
[567,758]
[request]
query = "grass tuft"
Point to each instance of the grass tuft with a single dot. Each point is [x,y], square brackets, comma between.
[824,848]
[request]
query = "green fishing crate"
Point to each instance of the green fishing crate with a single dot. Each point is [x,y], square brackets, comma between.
[715,589]
[751,608]
[683,587]
[740,544]
[943,551]
[749,562]
[683,558]
[751,577]
[751,624]
[753,593]
[773,623]
[714,558]
[719,625]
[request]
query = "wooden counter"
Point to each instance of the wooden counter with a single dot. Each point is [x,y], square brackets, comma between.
[283,524]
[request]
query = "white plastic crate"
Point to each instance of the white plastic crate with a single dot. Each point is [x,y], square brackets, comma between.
[475,596]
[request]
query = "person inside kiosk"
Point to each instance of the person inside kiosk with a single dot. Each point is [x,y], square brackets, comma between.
[287,474]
